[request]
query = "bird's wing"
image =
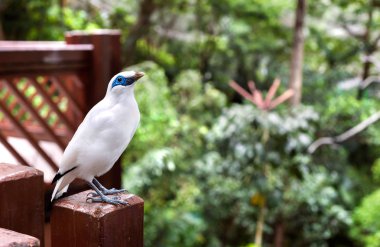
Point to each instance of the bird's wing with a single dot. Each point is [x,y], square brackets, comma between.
[69,162]
[86,132]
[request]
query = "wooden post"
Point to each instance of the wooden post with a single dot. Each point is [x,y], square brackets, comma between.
[75,222]
[22,200]
[105,59]
[10,238]
[106,62]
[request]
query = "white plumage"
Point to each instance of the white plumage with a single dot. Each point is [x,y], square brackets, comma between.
[103,135]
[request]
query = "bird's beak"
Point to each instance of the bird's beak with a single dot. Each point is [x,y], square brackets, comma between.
[138,75]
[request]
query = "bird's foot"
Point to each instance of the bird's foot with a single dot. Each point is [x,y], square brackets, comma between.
[112,191]
[107,192]
[114,200]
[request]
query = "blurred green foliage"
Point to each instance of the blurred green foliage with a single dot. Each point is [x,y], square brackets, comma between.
[366,226]
[341,111]
[260,153]
[45,20]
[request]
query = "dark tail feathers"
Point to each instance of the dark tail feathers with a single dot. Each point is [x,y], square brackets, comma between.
[59,175]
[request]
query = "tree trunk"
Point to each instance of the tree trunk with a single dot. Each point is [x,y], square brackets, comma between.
[365,74]
[3,7]
[141,28]
[279,234]
[369,50]
[2,36]
[260,226]
[295,82]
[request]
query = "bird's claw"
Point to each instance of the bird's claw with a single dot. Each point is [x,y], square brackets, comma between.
[92,194]
[89,199]
[114,200]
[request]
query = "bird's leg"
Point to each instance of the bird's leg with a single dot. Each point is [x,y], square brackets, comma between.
[105,190]
[102,197]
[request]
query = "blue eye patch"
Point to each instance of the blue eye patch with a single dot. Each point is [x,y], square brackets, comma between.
[120,80]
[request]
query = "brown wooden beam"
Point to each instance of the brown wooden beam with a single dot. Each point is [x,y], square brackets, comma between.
[49,54]
[41,69]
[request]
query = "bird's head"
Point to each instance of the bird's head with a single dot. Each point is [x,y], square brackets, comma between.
[124,81]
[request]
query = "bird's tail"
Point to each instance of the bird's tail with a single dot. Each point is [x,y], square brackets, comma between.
[62,186]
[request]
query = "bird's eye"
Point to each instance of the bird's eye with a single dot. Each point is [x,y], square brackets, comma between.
[119,79]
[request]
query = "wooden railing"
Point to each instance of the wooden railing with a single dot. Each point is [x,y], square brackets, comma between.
[46,88]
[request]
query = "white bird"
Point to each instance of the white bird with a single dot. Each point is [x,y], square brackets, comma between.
[101,138]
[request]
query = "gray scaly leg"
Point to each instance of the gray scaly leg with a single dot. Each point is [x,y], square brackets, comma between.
[102,197]
[107,191]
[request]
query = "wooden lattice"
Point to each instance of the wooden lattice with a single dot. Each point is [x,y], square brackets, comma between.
[40,107]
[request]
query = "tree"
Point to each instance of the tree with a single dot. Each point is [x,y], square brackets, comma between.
[139,29]
[295,82]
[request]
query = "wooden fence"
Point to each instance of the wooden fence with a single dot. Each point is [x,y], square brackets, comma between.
[46,88]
